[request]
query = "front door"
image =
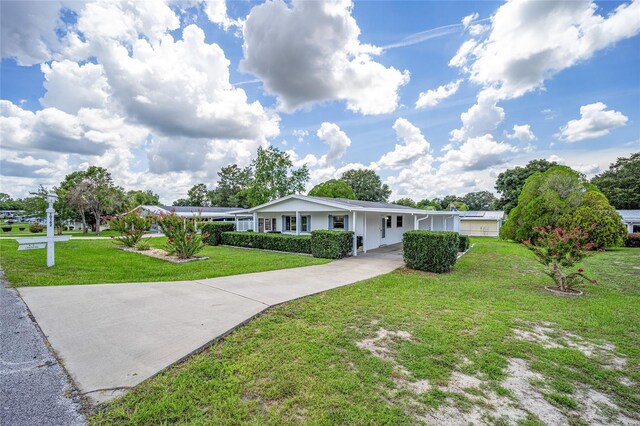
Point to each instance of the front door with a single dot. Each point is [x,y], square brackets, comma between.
[383,229]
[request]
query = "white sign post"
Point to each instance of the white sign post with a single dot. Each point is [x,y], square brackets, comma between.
[49,240]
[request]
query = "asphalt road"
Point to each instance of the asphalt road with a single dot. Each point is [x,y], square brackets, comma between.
[34,389]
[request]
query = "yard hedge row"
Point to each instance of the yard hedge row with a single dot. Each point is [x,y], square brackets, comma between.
[331,244]
[633,240]
[215,230]
[463,244]
[430,251]
[258,240]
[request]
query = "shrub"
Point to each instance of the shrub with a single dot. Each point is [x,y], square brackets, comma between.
[215,230]
[632,240]
[463,244]
[430,251]
[21,228]
[278,242]
[184,241]
[559,250]
[130,226]
[36,227]
[143,244]
[6,228]
[331,244]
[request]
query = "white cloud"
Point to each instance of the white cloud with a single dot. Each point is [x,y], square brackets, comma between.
[310,52]
[216,11]
[432,98]
[70,86]
[477,153]
[28,30]
[414,147]
[595,121]
[337,140]
[300,134]
[530,41]
[466,21]
[523,133]
[480,119]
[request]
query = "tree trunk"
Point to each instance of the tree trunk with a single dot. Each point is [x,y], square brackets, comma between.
[559,277]
[97,225]
[84,222]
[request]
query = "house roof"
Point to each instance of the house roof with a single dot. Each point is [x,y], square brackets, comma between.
[482,215]
[190,211]
[350,205]
[629,215]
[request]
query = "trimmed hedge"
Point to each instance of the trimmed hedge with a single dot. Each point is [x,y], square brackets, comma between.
[331,244]
[463,244]
[36,227]
[278,242]
[215,230]
[430,251]
[632,240]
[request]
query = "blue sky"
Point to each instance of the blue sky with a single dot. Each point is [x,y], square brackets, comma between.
[164,94]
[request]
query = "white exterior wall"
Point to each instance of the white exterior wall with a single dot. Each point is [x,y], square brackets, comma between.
[438,222]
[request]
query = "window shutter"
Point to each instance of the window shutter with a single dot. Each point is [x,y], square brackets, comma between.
[330,226]
[346,222]
[308,224]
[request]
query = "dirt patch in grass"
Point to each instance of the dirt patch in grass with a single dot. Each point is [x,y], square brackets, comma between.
[523,396]
[549,335]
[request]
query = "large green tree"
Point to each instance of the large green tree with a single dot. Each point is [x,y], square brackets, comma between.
[510,182]
[198,196]
[8,203]
[333,188]
[233,183]
[561,197]
[366,185]
[407,202]
[621,183]
[482,200]
[274,177]
[137,198]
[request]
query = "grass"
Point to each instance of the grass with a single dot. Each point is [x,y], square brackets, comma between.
[99,261]
[300,363]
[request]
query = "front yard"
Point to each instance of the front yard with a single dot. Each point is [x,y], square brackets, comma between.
[485,343]
[100,261]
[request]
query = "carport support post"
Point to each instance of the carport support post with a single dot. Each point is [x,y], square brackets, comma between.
[415,222]
[355,237]
[364,233]
[298,224]
[255,222]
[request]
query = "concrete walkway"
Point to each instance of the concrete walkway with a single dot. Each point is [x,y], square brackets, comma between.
[111,337]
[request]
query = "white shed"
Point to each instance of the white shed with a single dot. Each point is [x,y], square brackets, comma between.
[378,224]
[481,223]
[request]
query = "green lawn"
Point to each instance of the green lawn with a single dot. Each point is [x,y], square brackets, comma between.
[301,362]
[99,261]
[17,232]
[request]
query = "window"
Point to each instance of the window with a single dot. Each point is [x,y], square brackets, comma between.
[289,223]
[399,222]
[388,220]
[338,222]
[636,228]
[266,224]
[304,223]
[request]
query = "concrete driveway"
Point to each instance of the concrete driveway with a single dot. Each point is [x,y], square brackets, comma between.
[111,337]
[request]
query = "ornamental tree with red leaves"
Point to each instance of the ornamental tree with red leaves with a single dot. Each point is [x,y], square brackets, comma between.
[559,250]
[183,238]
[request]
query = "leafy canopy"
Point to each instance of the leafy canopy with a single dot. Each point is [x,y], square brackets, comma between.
[510,182]
[482,200]
[621,183]
[561,197]
[367,185]
[333,188]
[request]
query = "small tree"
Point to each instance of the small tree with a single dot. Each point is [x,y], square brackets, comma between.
[559,250]
[183,239]
[131,227]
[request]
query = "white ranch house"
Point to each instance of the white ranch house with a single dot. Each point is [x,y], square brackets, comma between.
[378,224]
[631,219]
[205,213]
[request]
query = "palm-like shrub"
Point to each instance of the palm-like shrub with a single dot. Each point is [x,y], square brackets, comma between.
[183,239]
[131,227]
[559,250]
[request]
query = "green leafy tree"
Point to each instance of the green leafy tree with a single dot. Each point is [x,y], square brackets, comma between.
[233,183]
[8,203]
[482,200]
[36,203]
[181,202]
[621,183]
[427,204]
[366,185]
[510,182]
[274,177]
[137,198]
[561,197]
[333,188]
[198,196]
[95,193]
[407,202]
